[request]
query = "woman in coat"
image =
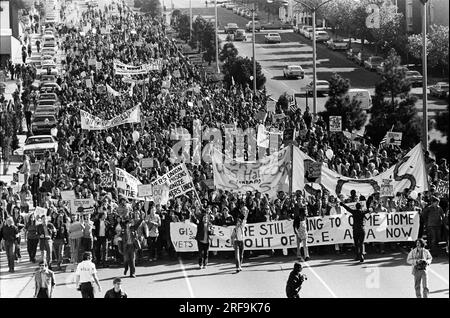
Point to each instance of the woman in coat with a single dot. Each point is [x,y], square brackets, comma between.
[32,237]
[61,238]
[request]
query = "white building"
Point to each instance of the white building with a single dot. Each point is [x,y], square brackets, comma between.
[10,31]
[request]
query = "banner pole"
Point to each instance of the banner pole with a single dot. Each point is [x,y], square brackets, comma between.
[291,168]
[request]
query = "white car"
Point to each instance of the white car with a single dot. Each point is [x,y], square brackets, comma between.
[293,71]
[49,51]
[39,144]
[322,87]
[273,38]
[322,36]
[440,89]
[337,45]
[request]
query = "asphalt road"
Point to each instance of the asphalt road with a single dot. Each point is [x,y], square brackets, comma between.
[329,276]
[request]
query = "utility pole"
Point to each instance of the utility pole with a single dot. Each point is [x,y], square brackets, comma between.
[253,49]
[424,72]
[217,40]
[190,19]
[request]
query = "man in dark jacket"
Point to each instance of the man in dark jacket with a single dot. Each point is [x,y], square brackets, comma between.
[9,233]
[295,281]
[128,247]
[358,229]
[116,292]
[46,232]
[101,228]
[433,216]
[204,230]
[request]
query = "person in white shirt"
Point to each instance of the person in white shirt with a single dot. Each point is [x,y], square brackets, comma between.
[420,258]
[85,274]
[237,238]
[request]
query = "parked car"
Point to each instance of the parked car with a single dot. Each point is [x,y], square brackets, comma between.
[337,45]
[276,26]
[39,145]
[239,35]
[249,26]
[440,89]
[293,71]
[43,124]
[322,36]
[372,62]
[322,87]
[414,78]
[49,96]
[230,28]
[272,38]
[304,30]
[229,6]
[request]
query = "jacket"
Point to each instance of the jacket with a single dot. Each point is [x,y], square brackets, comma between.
[294,283]
[112,294]
[50,278]
[9,233]
[51,231]
[414,257]
[96,230]
[201,229]
[123,243]
[31,228]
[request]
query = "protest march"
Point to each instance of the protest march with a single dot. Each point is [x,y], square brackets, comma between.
[154,163]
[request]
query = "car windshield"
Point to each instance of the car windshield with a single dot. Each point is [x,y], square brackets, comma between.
[295,68]
[274,34]
[43,118]
[232,25]
[38,140]
[377,59]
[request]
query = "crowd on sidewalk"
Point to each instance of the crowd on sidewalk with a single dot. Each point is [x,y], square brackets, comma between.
[120,228]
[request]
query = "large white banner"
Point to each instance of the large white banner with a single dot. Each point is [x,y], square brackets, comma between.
[178,180]
[335,229]
[409,172]
[127,184]
[124,69]
[265,175]
[91,122]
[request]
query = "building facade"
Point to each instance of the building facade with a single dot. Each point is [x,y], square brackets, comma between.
[412,10]
[9,31]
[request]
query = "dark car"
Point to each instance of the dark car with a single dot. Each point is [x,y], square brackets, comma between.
[43,124]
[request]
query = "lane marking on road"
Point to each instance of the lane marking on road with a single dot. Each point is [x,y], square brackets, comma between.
[319,278]
[186,278]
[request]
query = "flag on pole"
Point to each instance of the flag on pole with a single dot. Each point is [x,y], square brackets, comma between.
[384,140]
[293,106]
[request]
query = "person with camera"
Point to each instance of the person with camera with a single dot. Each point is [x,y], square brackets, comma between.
[295,281]
[420,258]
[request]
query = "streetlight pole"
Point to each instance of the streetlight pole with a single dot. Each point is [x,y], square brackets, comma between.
[217,39]
[190,19]
[424,72]
[253,49]
[314,10]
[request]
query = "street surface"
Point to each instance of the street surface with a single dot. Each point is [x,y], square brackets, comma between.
[263,276]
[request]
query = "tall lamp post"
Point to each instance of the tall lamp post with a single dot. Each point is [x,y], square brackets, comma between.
[217,39]
[190,19]
[253,49]
[313,9]
[424,72]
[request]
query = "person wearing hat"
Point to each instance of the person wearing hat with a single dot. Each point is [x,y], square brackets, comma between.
[116,291]
[433,215]
[295,281]
[420,258]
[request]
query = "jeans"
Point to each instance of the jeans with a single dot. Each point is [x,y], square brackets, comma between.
[87,290]
[358,238]
[100,249]
[203,250]
[421,277]
[9,247]
[32,248]
[58,245]
[433,238]
[45,245]
[17,254]
[75,249]
[87,244]
[129,258]
[42,293]
[238,253]
[151,242]
[305,247]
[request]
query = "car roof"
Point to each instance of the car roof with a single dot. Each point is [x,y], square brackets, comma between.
[442,83]
[39,136]
[294,66]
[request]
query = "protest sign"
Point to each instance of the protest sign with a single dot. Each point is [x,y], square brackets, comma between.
[160,194]
[79,91]
[326,230]
[68,195]
[88,83]
[240,176]
[107,180]
[92,62]
[83,206]
[278,116]
[39,212]
[387,189]
[146,163]
[83,74]
[261,116]
[91,122]
[176,74]
[98,66]
[394,138]
[312,171]
[335,123]
[178,180]
[271,106]
[101,89]
[127,185]
[442,188]
[145,190]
